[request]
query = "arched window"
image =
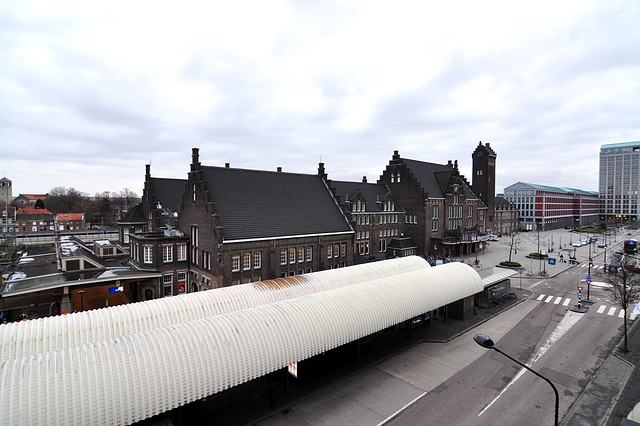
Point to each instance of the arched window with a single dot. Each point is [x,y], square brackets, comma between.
[148,294]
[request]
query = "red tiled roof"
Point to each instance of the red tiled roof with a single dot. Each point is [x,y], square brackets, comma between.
[70,216]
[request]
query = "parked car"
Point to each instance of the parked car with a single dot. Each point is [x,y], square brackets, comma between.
[577,244]
[602,244]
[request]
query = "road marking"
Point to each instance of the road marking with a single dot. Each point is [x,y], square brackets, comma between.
[611,311]
[557,301]
[540,297]
[621,314]
[548,299]
[566,302]
[601,309]
[565,324]
[385,421]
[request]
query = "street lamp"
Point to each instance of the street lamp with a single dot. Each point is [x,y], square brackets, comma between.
[486,342]
[81,293]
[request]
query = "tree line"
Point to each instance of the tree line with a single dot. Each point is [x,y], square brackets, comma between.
[103,209]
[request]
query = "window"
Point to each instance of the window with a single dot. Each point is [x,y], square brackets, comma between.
[309,253]
[336,250]
[206,260]
[257,260]
[194,244]
[167,283]
[292,255]
[235,263]
[167,254]
[246,261]
[300,254]
[148,254]
[182,252]
[283,256]
[344,249]
[329,251]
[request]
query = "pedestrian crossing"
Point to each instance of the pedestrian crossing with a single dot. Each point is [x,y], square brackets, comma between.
[566,301]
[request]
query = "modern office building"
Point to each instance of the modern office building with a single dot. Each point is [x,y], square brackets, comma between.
[544,207]
[619,182]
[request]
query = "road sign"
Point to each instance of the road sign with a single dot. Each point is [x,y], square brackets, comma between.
[580,288]
[579,296]
[589,278]
[552,261]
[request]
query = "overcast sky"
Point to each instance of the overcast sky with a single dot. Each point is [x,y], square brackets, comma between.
[90,92]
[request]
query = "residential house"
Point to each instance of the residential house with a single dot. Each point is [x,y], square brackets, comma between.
[70,221]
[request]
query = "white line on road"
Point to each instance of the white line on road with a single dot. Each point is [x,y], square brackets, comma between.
[601,309]
[568,321]
[548,299]
[385,421]
[612,311]
[540,297]
[557,301]
[621,314]
[566,302]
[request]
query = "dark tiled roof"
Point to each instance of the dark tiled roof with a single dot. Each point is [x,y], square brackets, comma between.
[256,204]
[135,215]
[402,243]
[372,192]
[168,192]
[434,178]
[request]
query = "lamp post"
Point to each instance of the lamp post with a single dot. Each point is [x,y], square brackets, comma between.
[81,293]
[486,342]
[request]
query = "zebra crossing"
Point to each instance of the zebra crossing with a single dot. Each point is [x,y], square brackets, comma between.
[565,301]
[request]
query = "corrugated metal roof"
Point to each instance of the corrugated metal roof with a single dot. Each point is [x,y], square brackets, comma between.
[134,377]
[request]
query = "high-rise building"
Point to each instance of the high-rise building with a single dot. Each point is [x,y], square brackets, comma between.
[619,182]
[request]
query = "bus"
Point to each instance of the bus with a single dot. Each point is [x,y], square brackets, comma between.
[631,246]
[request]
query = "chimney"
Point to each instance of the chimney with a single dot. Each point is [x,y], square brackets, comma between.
[195,160]
[449,164]
[279,169]
[364,179]
[321,171]
[226,165]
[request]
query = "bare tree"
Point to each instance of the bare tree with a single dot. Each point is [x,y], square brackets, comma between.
[625,283]
[513,239]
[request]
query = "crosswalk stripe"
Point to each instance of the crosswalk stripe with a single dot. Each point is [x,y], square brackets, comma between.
[621,314]
[566,302]
[548,299]
[558,300]
[540,297]
[601,309]
[611,311]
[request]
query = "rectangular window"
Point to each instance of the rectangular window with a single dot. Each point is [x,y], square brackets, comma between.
[257,260]
[309,253]
[167,283]
[329,251]
[246,261]
[292,255]
[283,256]
[206,260]
[167,254]
[235,263]
[343,249]
[336,250]
[300,254]
[182,252]
[194,244]
[148,254]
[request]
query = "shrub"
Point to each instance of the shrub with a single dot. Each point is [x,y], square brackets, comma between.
[510,264]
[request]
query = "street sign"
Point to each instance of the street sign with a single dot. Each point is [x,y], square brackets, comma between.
[589,278]
[579,296]
[552,261]
[580,288]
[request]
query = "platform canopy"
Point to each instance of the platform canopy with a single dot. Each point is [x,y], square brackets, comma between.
[133,377]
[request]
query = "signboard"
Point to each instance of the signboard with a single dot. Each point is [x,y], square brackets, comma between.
[552,261]
[115,289]
[588,279]
[580,288]
[293,369]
